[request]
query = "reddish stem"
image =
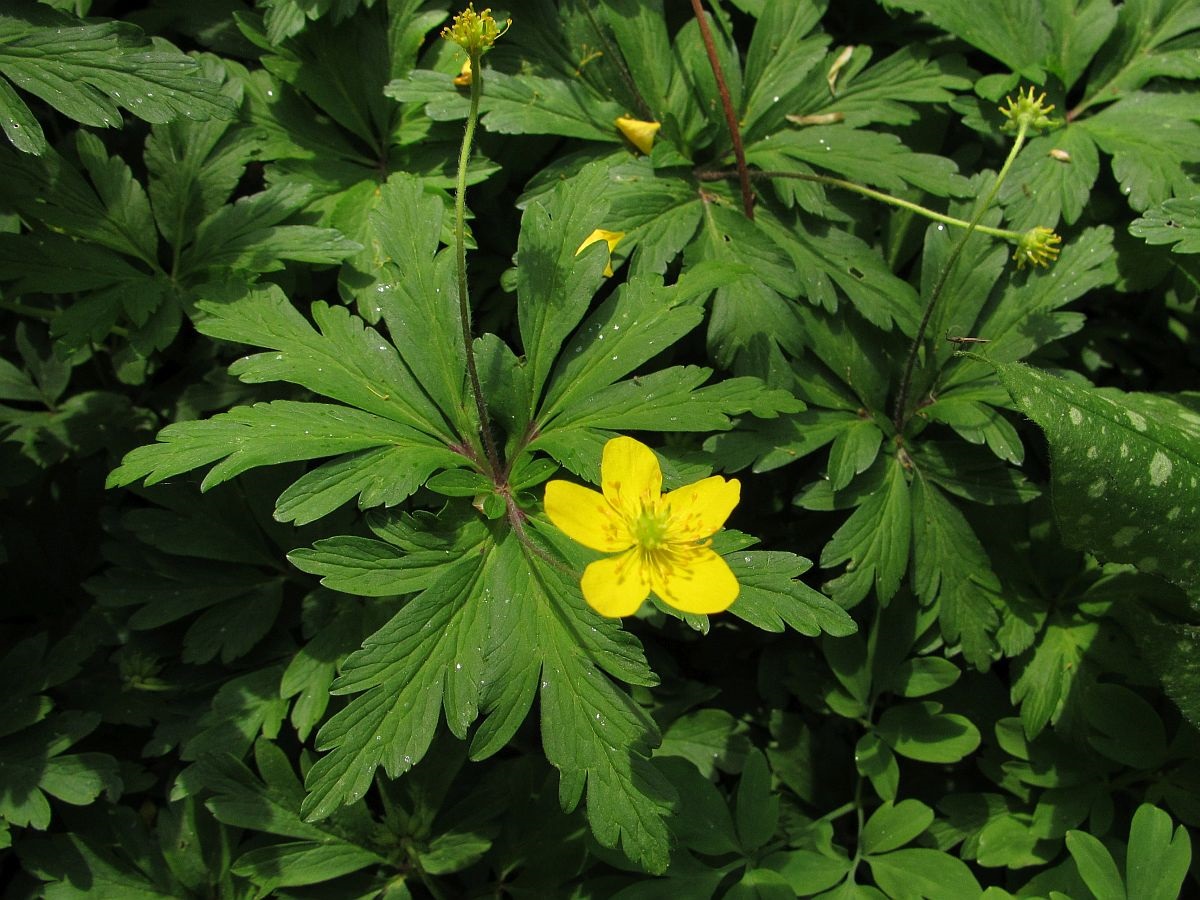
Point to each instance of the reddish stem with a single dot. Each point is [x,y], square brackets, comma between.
[735,133]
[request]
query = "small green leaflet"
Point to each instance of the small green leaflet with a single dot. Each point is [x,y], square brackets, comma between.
[1171,222]
[874,542]
[88,70]
[1126,470]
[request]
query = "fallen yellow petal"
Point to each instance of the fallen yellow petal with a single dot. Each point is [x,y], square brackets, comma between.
[612,238]
[640,133]
[463,78]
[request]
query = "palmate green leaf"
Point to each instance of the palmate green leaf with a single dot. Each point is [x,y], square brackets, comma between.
[782,52]
[1012,31]
[516,104]
[868,157]
[1078,29]
[658,214]
[102,202]
[87,70]
[339,66]
[243,708]
[1150,164]
[248,235]
[271,804]
[1024,316]
[76,866]
[1125,470]
[874,542]
[415,293]
[195,166]
[1171,222]
[286,431]
[772,597]
[710,739]
[885,92]
[831,262]
[951,568]
[1050,675]
[1043,188]
[755,304]
[36,764]
[628,329]
[395,432]
[490,625]
[1152,38]
[555,282]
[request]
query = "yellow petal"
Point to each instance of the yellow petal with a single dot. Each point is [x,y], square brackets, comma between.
[617,585]
[586,517]
[697,581]
[463,78]
[699,510]
[640,133]
[630,476]
[612,238]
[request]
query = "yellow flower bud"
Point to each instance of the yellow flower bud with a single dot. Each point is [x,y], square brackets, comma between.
[639,133]
[612,238]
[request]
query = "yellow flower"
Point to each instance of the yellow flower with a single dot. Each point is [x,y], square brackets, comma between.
[612,238]
[660,542]
[640,133]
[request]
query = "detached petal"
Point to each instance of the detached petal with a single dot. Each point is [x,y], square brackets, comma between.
[586,517]
[630,476]
[699,510]
[698,581]
[616,586]
[612,238]
[638,132]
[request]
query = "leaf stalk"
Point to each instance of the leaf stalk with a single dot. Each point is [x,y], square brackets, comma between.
[735,133]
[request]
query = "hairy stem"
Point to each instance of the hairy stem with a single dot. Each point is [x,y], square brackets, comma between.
[900,413]
[735,133]
[460,247]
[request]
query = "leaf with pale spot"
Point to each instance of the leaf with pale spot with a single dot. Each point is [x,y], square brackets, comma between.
[1125,469]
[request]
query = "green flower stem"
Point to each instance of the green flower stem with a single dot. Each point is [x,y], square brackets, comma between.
[900,412]
[925,211]
[460,246]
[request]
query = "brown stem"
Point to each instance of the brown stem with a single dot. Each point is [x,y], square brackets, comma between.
[735,133]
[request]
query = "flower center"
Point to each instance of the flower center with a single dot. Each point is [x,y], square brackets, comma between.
[650,529]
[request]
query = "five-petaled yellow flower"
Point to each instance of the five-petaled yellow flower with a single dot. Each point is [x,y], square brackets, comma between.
[661,542]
